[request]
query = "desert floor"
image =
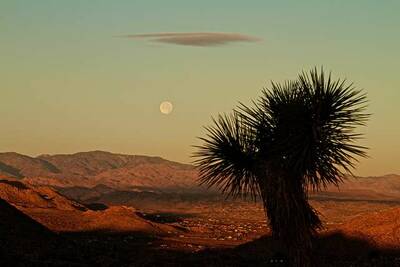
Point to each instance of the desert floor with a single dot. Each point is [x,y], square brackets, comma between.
[209,233]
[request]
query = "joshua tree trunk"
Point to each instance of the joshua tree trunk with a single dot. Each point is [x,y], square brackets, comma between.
[292,220]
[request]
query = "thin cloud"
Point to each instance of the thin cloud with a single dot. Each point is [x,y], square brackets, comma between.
[195,38]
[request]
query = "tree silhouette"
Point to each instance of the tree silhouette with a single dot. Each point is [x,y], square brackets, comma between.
[298,137]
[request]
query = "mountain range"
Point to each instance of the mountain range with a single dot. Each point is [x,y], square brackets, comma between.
[88,169]
[105,176]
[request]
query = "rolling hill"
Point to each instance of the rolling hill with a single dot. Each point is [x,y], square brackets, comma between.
[61,214]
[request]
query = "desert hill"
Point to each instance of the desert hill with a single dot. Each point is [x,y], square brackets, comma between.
[89,169]
[380,227]
[21,235]
[61,214]
[16,165]
[39,197]
[39,227]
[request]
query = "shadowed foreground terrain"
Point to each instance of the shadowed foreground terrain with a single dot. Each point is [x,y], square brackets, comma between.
[74,210]
[40,227]
[137,249]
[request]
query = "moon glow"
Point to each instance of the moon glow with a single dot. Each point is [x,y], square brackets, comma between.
[166,107]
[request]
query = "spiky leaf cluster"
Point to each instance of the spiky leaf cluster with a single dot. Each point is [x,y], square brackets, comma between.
[306,128]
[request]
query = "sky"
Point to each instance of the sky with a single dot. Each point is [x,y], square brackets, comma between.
[90,75]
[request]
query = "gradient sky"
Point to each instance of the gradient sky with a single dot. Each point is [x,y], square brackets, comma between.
[69,82]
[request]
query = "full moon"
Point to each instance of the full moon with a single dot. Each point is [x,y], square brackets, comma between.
[166,107]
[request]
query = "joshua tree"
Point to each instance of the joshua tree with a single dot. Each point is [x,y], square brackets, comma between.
[299,136]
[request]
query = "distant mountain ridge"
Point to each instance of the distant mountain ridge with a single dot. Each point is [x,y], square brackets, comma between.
[385,187]
[92,174]
[89,169]
[19,166]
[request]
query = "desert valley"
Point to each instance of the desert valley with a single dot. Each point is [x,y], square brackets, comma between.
[100,208]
